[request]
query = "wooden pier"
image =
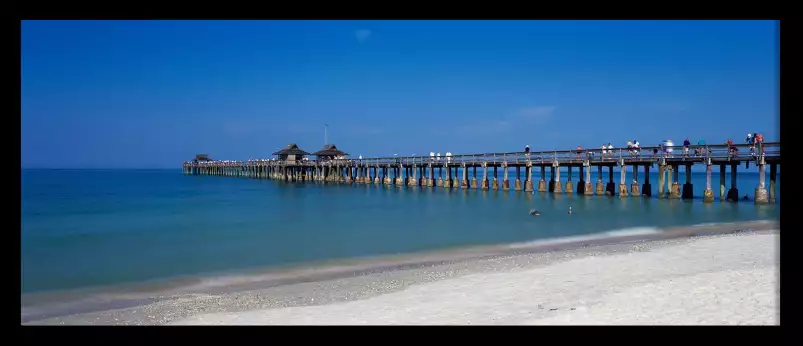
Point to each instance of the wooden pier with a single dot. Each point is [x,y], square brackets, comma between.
[292,164]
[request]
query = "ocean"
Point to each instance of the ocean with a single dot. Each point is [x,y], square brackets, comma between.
[89,228]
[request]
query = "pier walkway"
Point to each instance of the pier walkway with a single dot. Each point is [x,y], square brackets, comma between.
[452,171]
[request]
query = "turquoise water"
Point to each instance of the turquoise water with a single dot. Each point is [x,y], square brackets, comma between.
[99,227]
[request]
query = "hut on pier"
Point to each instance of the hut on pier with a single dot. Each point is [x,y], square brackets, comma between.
[330,152]
[291,153]
[201,158]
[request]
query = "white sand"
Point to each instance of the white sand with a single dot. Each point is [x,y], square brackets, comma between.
[719,280]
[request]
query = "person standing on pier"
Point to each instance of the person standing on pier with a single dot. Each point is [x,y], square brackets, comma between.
[527,152]
[637,148]
[610,150]
[758,139]
[686,145]
[750,140]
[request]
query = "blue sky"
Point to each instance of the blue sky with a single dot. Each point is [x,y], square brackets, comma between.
[149,94]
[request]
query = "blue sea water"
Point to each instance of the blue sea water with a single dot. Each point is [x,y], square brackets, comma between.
[85,228]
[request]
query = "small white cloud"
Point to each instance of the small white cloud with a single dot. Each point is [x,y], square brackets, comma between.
[362,35]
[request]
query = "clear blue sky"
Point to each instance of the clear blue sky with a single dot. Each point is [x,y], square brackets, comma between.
[149,94]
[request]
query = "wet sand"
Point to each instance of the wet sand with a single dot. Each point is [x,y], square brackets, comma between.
[720,277]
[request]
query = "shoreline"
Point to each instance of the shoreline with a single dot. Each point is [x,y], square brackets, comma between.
[64,308]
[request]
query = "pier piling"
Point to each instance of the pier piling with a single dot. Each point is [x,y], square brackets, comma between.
[773,177]
[569,184]
[600,185]
[622,180]
[733,193]
[708,194]
[688,188]
[761,196]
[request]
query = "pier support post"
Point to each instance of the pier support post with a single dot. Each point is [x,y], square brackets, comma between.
[688,188]
[581,186]
[542,183]
[773,177]
[600,185]
[431,176]
[439,182]
[569,184]
[610,189]
[348,179]
[505,182]
[634,187]
[447,180]
[721,182]
[674,191]
[464,183]
[495,184]
[528,185]
[588,187]
[485,176]
[708,193]
[474,178]
[622,183]
[556,186]
[661,179]
[400,179]
[517,183]
[761,196]
[733,193]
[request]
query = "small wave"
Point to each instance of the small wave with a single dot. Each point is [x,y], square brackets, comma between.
[710,224]
[625,232]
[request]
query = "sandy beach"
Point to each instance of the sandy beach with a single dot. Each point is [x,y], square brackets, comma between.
[705,280]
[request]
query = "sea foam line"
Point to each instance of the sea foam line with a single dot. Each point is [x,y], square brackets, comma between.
[624,232]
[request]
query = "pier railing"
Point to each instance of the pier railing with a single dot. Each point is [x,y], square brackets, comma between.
[719,152]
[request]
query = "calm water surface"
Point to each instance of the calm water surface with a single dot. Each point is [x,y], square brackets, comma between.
[98,227]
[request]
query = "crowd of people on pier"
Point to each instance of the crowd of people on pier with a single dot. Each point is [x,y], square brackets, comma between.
[437,156]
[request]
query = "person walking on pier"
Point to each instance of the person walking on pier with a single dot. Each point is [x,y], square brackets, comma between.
[579,152]
[604,152]
[686,145]
[527,152]
[732,149]
[610,151]
[750,140]
[758,139]
[637,148]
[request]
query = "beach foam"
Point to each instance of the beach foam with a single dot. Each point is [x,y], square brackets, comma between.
[625,232]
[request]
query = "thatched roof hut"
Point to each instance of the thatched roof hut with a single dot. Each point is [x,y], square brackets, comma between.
[201,157]
[291,152]
[330,151]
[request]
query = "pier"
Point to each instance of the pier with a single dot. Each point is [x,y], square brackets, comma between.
[451,172]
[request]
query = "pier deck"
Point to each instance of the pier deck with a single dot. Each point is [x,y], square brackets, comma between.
[443,171]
